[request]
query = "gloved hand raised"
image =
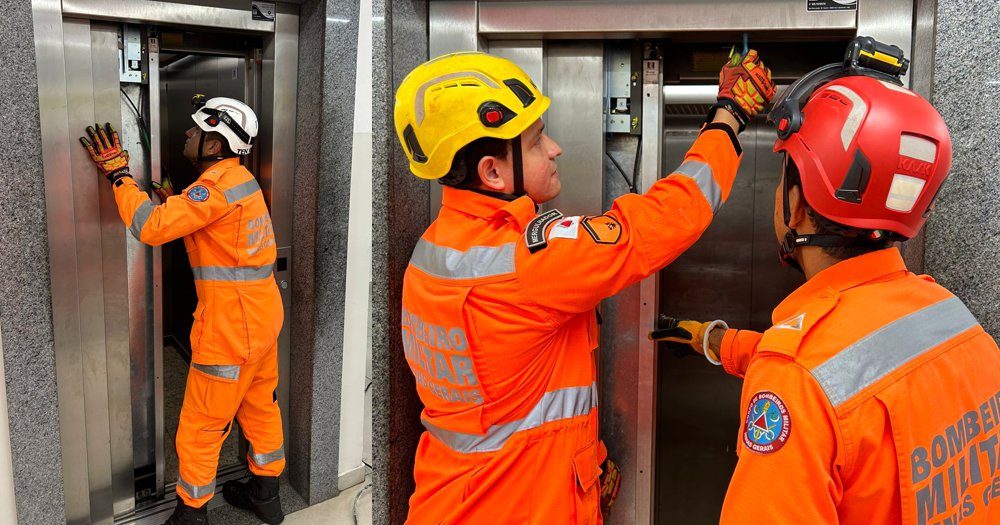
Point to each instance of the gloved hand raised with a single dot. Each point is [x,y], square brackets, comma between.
[163,189]
[745,87]
[685,331]
[106,151]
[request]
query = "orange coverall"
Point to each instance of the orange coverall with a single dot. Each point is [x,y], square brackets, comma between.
[234,365]
[500,339]
[874,398]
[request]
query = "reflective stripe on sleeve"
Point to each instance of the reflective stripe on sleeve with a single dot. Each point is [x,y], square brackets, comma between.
[241,191]
[222,371]
[477,262]
[223,273]
[197,491]
[559,404]
[702,175]
[140,217]
[263,459]
[883,351]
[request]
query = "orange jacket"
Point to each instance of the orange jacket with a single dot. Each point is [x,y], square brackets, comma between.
[500,338]
[230,243]
[874,398]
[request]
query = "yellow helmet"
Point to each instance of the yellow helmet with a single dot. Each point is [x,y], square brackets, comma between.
[446,103]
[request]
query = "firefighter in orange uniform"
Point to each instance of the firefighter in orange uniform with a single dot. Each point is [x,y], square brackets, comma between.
[498,310]
[227,230]
[875,396]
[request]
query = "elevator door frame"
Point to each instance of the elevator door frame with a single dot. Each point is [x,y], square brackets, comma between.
[523,31]
[93,328]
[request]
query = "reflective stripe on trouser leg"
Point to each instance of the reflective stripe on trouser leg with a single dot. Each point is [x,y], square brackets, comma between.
[260,419]
[211,399]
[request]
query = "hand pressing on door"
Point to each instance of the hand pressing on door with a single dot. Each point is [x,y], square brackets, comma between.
[702,337]
[106,151]
[745,87]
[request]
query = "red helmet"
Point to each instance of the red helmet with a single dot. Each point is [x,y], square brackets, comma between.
[871,154]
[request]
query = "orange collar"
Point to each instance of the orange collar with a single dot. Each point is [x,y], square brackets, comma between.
[520,210]
[842,276]
[223,165]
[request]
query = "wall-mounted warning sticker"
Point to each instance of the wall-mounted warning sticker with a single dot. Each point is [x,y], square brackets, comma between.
[832,5]
[263,11]
[603,229]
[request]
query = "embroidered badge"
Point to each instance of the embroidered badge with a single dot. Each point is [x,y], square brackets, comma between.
[534,234]
[603,229]
[198,193]
[565,229]
[768,423]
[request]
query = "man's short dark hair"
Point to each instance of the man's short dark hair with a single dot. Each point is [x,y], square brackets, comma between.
[464,172]
[826,226]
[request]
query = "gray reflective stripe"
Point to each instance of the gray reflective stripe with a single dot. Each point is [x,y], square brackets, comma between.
[263,459]
[223,273]
[140,217]
[555,405]
[243,190]
[890,347]
[196,491]
[702,175]
[223,371]
[418,99]
[478,261]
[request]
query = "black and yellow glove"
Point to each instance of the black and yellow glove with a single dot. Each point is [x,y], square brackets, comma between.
[685,331]
[106,151]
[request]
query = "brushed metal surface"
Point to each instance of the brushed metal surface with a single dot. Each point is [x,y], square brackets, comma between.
[155,319]
[154,12]
[51,67]
[574,80]
[603,19]
[651,163]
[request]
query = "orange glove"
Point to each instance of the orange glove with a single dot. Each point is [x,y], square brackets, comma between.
[106,151]
[745,83]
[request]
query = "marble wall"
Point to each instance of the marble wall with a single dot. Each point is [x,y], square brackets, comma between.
[328,39]
[963,235]
[25,301]
[401,212]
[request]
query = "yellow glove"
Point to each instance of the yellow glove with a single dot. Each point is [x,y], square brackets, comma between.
[685,331]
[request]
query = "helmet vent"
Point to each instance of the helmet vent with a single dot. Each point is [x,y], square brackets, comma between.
[520,90]
[410,138]
[856,180]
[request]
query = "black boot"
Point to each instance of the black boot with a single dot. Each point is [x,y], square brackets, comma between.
[259,495]
[184,515]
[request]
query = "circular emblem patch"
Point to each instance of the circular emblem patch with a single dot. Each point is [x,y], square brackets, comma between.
[198,193]
[768,423]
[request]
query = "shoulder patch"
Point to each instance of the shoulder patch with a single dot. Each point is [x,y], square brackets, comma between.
[768,423]
[603,229]
[567,228]
[197,193]
[534,234]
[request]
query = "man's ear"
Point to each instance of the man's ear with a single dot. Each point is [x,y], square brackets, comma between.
[797,207]
[213,146]
[489,175]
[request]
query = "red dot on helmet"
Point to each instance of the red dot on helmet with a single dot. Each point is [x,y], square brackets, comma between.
[493,116]
[783,124]
[213,122]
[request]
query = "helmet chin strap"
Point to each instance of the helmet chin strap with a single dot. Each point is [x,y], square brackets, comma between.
[515,147]
[201,145]
[793,240]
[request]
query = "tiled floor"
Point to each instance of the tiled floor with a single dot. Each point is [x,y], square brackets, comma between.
[339,510]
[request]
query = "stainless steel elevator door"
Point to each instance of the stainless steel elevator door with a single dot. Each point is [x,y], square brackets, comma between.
[731,273]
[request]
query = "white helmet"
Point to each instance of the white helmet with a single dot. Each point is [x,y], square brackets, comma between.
[228,117]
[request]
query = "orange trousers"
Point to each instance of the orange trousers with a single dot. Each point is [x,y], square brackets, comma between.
[213,396]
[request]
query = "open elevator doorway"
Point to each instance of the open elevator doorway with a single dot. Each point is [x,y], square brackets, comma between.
[189,63]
